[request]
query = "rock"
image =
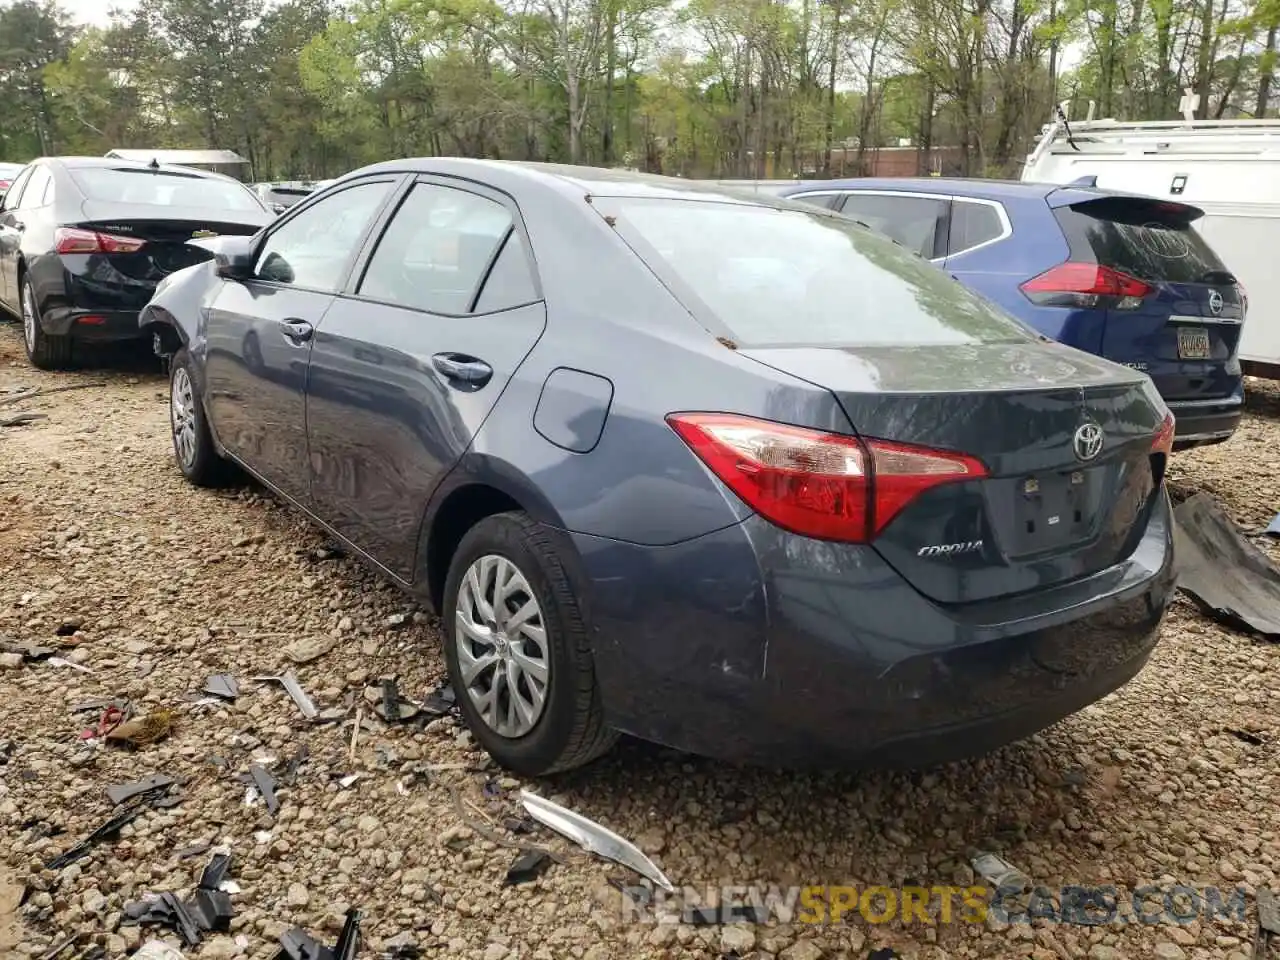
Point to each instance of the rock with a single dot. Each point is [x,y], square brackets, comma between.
[737,938]
[93,901]
[10,661]
[802,950]
[297,895]
[307,649]
[495,951]
[1100,951]
[1164,950]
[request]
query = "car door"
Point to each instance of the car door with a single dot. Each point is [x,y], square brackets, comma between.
[11,241]
[918,221]
[406,368]
[260,330]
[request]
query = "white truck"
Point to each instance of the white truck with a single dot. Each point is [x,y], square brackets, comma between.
[1230,169]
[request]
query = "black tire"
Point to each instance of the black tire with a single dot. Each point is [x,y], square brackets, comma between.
[44,350]
[200,464]
[570,731]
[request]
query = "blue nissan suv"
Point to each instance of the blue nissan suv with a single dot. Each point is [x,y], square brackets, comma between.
[1121,276]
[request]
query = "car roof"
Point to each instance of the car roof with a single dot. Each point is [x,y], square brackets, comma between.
[957,186]
[569,178]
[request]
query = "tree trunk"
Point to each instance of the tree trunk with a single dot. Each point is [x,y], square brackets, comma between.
[1204,60]
[1264,81]
[829,132]
[611,64]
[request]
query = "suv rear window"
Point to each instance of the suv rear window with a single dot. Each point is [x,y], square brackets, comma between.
[163,188]
[773,275]
[1148,239]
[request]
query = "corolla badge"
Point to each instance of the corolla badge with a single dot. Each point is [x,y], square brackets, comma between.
[1087,442]
[950,549]
[204,234]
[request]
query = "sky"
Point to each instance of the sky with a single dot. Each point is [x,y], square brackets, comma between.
[94,11]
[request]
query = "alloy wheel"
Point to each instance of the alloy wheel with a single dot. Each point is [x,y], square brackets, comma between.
[182,417]
[501,642]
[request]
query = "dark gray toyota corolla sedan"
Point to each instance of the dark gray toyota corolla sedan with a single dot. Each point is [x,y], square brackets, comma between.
[719,471]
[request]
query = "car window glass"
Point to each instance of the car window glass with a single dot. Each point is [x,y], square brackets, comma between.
[823,200]
[14,196]
[509,283]
[800,277]
[436,250]
[33,194]
[912,221]
[164,188]
[312,249]
[972,224]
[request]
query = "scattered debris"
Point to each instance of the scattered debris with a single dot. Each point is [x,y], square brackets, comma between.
[1273,528]
[152,728]
[388,704]
[158,950]
[491,788]
[528,866]
[1268,932]
[59,947]
[86,705]
[441,702]
[222,685]
[1247,736]
[297,944]
[46,391]
[884,953]
[519,825]
[69,627]
[108,831]
[294,689]
[266,786]
[396,620]
[210,909]
[348,780]
[1000,873]
[64,662]
[290,775]
[18,419]
[1229,578]
[111,718]
[28,651]
[186,853]
[307,649]
[592,837]
[123,792]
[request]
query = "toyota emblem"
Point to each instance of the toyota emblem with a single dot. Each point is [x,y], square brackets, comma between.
[1215,302]
[1087,441]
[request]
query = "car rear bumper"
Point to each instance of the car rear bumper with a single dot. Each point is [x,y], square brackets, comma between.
[1201,422]
[828,657]
[92,326]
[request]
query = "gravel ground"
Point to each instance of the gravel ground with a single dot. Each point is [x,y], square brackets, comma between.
[156,585]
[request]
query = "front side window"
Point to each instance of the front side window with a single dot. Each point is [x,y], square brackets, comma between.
[313,248]
[436,250]
[912,221]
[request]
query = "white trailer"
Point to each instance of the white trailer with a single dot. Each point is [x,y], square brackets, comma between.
[1228,168]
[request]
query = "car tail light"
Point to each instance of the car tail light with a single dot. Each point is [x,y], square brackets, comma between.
[1244,299]
[72,240]
[823,485]
[1085,285]
[4,184]
[1163,441]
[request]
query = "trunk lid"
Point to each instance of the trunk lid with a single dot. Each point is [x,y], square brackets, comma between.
[1185,332]
[165,239]
[1046,513]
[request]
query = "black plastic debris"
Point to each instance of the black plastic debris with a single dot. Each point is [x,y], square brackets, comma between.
[222,685]
[528,866]
[266,786]
[883,953]
[290,775]
[123,792]
[29,651]
[1229,578]
[390,701]
[68,627]
[519,825]
[441,702]
[108,831]
[297,944]
[210,910]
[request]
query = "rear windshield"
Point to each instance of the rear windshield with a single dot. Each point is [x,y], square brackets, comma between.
[1151,240]
[163,188]
[774,276]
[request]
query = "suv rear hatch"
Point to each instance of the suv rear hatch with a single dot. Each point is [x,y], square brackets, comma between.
[1173,309]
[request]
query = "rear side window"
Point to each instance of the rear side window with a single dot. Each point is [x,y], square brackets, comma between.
[776,276]
[972,224]
[912,221]
[1148,239]
[824,200]
[163,188]
[39,189]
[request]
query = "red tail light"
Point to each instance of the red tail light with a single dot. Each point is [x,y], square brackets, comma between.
[1085,285]
[823,485]
[1163,441]
[4,184]
[72,240]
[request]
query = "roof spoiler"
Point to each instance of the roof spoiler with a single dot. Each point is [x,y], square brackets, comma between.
[1071,195]
[1090,181]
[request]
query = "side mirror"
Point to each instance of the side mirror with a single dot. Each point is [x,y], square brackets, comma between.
[232,256]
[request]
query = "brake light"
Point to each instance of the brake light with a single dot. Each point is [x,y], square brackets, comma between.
[73,240]
[823,485]
[1163,440]
[1085,285]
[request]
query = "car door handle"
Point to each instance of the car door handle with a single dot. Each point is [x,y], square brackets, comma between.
[462,369]
[298,331]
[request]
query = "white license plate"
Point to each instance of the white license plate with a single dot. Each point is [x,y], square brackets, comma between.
[1193,343]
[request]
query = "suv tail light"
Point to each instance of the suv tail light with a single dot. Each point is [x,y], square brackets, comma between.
[823,485]
[73,240]
[1163,441]
[1086,285]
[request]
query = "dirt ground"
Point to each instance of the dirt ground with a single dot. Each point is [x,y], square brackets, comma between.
[154,586]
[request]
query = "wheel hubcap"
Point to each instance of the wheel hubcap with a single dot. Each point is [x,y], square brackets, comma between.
[501,643]
[182,416]
[29,321]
